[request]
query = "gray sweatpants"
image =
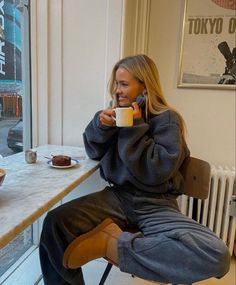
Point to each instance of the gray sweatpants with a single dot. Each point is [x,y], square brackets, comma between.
[170,247]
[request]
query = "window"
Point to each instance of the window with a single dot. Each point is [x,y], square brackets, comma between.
[14,76]
[15,109]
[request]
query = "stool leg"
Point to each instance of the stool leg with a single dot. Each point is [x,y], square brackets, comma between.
[105,273]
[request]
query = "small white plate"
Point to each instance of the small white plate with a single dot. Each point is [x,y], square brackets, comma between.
[73,163]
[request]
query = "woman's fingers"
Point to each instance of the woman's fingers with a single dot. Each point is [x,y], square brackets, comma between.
[137,111]
[106,117]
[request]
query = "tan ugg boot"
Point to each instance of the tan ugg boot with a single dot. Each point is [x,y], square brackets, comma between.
[99,242]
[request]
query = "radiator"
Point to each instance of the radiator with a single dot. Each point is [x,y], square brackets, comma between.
[218,211]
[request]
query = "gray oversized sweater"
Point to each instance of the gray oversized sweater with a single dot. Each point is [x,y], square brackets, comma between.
[146,155]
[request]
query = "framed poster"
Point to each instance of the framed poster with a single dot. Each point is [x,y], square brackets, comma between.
[208,48]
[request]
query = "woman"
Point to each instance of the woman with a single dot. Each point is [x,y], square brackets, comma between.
[141,165]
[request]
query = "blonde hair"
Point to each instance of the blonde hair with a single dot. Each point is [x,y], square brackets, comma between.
[145,71]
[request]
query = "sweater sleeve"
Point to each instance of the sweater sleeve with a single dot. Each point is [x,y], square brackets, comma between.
[97,138]
[152,152]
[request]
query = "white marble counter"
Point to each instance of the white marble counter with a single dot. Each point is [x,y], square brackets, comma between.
[29,190]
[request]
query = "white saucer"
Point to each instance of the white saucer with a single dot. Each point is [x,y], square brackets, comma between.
[73,163]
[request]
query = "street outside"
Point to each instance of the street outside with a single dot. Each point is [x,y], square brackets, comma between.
[5,124]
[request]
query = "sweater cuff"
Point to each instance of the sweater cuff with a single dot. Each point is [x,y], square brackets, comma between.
[138,121]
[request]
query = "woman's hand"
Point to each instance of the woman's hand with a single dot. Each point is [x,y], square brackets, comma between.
[106,118]
[137,111]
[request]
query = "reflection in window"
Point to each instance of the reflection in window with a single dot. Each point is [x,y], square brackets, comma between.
[11,70]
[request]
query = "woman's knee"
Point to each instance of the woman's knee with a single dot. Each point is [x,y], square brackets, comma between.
[210,252]
[216,253]
[223,264]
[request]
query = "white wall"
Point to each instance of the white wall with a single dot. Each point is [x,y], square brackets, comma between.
[209,114]
[75,43]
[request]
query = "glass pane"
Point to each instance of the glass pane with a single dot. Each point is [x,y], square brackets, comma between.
[13,251]
[14,101]
[12,70]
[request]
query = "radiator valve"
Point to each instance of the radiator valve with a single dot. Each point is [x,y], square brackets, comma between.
[232,206]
